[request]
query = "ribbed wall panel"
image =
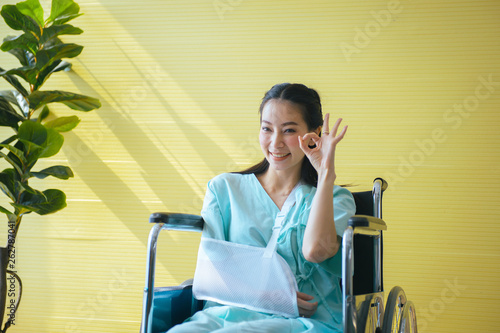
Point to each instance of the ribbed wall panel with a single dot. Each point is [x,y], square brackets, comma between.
[180,85]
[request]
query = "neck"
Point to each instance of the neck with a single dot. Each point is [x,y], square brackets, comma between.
[280,183]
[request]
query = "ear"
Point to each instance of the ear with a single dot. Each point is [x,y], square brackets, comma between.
[311,144]
[318,130]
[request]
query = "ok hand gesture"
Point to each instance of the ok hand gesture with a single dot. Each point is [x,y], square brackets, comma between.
[322,157]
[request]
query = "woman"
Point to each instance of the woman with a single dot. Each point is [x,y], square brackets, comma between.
[241,208]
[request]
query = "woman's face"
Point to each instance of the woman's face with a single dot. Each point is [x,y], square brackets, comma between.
[281,125]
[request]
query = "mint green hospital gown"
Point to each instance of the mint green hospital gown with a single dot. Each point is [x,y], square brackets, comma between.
[238,209]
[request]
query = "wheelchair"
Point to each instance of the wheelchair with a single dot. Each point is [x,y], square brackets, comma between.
[362,278]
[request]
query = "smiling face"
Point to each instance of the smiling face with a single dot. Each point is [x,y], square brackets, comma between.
[281,125]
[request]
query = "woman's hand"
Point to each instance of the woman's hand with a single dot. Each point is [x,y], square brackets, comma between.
[322,157]
[306,308]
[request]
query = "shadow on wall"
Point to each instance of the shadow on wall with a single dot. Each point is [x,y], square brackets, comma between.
[146,154]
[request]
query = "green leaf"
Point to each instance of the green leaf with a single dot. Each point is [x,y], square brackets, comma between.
[17,152]
[26,42]
[7,180]
[20,209]
[74,101]
[47,56]
[63,11]
[14,82]
[18,21]
[25,58]
[28,73]
[3,210]
[25,189]
[14,97]
[33,9]
[44,114]
[55,200]
[8,116]
[56,66]
[32,132]
[57,30]
[63,124]
[58,171]
[32,153]
[53,143]
[12,162]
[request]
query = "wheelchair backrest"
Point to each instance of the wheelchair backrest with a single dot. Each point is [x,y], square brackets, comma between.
[364,264]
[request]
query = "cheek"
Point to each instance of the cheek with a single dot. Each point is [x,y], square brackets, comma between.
[293,142]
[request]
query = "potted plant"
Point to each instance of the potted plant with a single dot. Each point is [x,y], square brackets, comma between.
[24,109]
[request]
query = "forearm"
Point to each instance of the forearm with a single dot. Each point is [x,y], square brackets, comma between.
[320,237]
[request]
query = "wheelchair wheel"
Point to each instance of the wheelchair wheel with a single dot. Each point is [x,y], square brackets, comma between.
[408,319]
[394,310]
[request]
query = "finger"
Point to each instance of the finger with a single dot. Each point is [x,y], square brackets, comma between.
[304,142]
[303,145]
[304,296]
[336,126]
[307,309]
[344,130]
[326,127]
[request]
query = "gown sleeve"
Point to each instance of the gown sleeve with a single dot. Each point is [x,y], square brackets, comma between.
[215,226]
[343,208]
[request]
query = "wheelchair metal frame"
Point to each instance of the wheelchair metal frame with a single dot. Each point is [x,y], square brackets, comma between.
[361,313]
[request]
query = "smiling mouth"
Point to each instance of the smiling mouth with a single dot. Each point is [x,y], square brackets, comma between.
[279,156]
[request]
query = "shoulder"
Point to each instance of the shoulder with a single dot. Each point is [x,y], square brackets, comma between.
[229,181]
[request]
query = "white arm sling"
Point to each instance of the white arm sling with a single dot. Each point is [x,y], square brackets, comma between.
[251,277]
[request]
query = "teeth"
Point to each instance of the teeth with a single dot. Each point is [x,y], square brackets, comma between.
[278,155]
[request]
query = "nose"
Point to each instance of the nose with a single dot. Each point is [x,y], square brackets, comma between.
[277,140]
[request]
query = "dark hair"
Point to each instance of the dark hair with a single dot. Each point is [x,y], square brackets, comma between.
[310,105]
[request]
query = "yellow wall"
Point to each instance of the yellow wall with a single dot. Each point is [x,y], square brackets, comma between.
[180,83]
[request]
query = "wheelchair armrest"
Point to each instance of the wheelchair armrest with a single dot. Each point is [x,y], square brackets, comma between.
[178,221]
[367,223]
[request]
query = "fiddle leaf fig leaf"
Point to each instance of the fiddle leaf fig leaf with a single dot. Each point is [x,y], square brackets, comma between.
[63,11]
[25,58]
[17,152]
[16,98]
[50,201]
[5,211]
[32,132]
[8,116]
[18,21]
[57,30]
[12,162]
[63,124]
[48,55]
[56,66]
[58,171]
[7,181]
[72,100]
[28,73]
[14,82]
[44,114]
[53,143]
[33,9]
[26,42]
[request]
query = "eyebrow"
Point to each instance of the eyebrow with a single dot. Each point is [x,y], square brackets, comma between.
[282,125]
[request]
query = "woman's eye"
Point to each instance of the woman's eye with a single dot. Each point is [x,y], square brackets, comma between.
[266,129]
[289,130]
